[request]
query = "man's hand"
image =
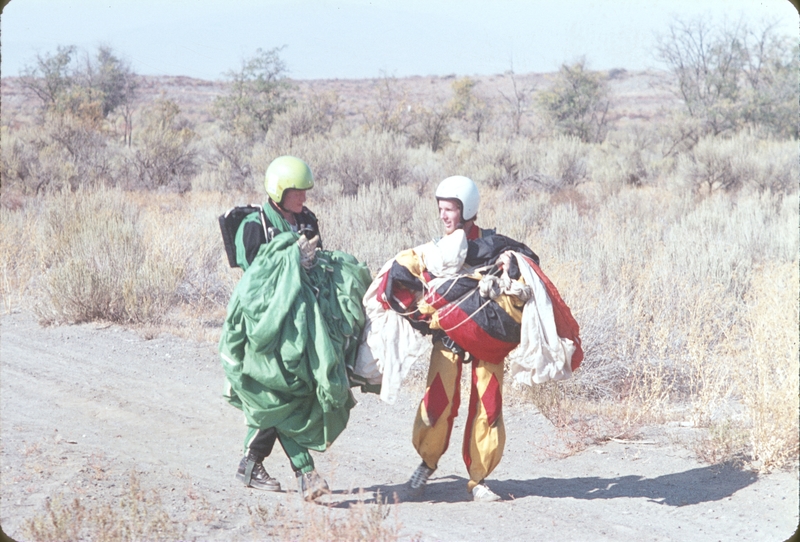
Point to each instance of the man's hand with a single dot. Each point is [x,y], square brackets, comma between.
[504,260]
[308,250]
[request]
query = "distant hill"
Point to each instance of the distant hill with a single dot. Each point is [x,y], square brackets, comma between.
[636,96]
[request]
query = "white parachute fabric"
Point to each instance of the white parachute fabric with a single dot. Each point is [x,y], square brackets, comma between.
[389,344]
[542,355]
[446,256]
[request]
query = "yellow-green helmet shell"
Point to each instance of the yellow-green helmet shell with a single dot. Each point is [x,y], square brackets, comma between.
[287,172]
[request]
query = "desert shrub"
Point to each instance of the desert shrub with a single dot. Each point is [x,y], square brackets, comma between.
[164,155]
[305,130]
[18,263]
[315,115]
[523,165]
[657,283]
[104,82]
[69,140]
[766,371]
[678,134]
[51,75]
[17,162]
[495,161]
[431,127]
[733,76]
[564,163]
[742,160]
[629,158]
[377,222]
[516,104]
[257,92]
[769,165]
[349,160]
[186,233]
[69,144]
[64,151]
[97,265]
[577,103]
[228,163]
[471,111]
[391,110]
[709,166]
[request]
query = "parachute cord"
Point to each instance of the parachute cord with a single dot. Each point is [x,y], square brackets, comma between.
[479,309]
[488,269]
[479,270]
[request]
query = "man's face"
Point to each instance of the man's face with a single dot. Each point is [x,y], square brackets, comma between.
[450,215]
[293,200]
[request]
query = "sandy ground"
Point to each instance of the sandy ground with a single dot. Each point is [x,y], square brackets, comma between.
[81,407]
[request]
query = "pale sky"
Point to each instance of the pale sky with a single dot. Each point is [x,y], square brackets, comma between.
[353,39]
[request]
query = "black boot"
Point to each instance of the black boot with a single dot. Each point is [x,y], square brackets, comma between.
[253,474]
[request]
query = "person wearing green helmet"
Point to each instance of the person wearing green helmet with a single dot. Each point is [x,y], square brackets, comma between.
[282,351]
[286,182]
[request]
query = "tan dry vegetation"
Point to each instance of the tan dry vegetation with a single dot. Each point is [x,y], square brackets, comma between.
[140,514]
[310,523]
[682,303]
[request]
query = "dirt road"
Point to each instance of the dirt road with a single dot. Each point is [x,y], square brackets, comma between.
[81,407]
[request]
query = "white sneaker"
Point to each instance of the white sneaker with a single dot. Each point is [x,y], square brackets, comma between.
[482,493]
[420,476]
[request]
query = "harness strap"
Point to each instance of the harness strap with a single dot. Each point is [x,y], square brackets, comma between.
[248,471]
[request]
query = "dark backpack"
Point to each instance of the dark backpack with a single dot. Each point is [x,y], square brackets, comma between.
[229,224]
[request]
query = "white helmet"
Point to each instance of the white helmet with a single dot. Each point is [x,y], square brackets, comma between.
[465,191]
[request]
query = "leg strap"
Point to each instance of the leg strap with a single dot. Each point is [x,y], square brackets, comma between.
[248,471]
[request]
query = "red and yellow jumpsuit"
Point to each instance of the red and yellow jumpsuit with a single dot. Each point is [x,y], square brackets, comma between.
[484,434]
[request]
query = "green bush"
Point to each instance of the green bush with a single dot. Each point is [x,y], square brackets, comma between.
[257,92]
[577,103]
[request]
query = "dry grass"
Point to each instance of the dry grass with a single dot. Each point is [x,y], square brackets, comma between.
[766,371]
[144,514]
[363,521]
[95,264]
[18,264]
[139,515]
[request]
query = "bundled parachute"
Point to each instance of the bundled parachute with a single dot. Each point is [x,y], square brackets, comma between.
[287,340]
[454,289]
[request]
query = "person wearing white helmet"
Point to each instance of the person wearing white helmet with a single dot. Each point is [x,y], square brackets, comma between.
[472,292]
[458,200]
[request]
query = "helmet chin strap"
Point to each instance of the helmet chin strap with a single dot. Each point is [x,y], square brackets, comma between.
[463,224]
[280,208]
[277,205]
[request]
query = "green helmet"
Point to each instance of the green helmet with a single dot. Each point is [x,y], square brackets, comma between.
[287,172]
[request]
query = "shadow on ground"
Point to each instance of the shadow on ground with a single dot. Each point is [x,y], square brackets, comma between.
[704,484]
